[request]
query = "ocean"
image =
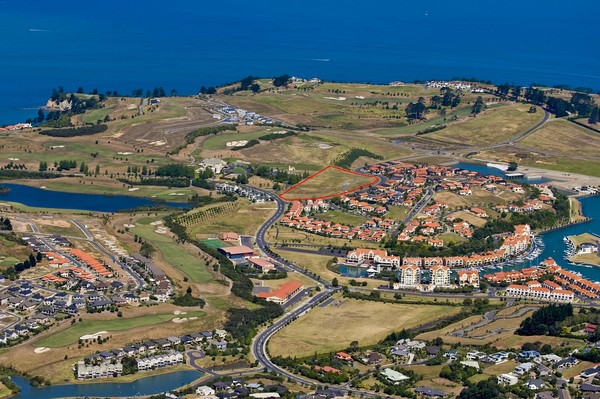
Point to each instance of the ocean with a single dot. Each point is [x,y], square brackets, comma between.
[182,45]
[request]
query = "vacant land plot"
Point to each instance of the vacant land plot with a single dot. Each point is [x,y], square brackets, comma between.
[469,217]
[494,126]
[329,182]
[71,335]
[478,198]
[342,218]
[563,138]
[334,327]
[246,218]
[172,253]
[397,212]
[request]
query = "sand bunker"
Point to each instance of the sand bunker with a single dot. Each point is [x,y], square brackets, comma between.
[41,349]
[133,189]
[56,146]
[124,153]
[157,223]
[161,230]
[129,226]
[335,98]
[360,97]
[13,159]
[93,336]
[239,143]
[178,312]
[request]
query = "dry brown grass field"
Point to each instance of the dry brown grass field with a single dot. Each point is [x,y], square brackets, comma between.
[492,126]
[561,137]
[335,326]
[328,182]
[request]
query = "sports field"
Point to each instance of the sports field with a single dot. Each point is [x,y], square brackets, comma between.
[328,182]
[335,326]
[71,335]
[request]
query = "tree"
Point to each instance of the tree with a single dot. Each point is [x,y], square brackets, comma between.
[335,282]
[478,106]
[583,103]
[43,166]
[282,80]
[594,115]
[147,250]
[255,88]
[41,116]
[516,91]
[503,89]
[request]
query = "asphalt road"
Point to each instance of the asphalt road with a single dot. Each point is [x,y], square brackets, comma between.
[90,238]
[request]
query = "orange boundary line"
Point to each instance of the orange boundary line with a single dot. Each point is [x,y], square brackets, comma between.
[375,180]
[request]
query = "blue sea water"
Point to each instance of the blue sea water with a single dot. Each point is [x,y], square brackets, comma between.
[182,45]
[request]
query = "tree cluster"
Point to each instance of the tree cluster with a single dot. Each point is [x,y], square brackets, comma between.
[546,321]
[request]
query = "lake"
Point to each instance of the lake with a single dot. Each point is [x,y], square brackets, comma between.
[185,44]
[37,197]
[144,386]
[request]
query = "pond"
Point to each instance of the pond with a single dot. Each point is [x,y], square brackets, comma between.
[37,197]
[144,386]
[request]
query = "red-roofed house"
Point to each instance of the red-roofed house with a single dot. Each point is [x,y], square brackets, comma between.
[284,293]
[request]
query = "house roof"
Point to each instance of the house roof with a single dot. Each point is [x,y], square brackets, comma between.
[237,250]
[430,392]
[283,291]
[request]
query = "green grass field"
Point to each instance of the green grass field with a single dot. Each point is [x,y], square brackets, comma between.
[71,335]
[214,243]
[173,253]
[8,261]
[219,141]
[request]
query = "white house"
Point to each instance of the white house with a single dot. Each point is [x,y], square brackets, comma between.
[205,391]
[214,164]
[507,379]
[394,376]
